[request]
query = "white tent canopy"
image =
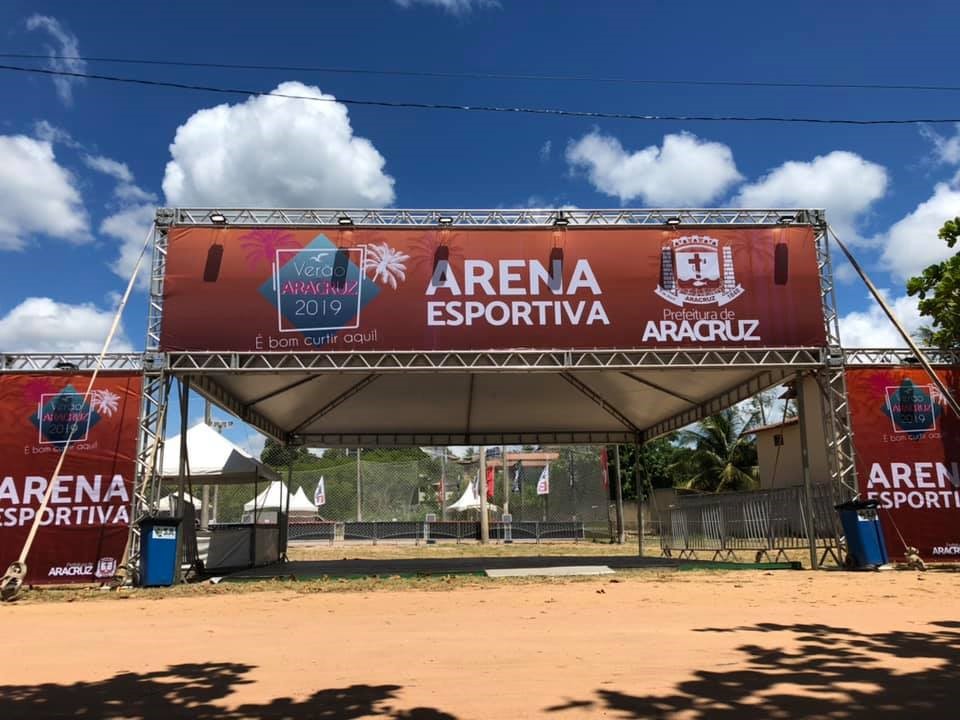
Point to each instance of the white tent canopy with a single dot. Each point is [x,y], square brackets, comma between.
[213,460]
[470,500]
[275,498]
[301,503]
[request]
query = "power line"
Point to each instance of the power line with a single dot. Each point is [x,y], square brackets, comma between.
[489,76]
[557,112]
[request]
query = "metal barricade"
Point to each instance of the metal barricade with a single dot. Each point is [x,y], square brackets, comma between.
[765,523]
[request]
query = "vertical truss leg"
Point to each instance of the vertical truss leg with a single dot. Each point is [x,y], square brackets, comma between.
[146,484]
[839,435]
[832,381]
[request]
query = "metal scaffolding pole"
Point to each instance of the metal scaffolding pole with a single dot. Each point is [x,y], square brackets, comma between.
[807,483]
[482,483]
[359,489]
[621,534]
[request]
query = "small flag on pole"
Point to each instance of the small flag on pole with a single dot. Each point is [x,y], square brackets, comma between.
[543,484]
[490,482]
[517,470]
[320,494]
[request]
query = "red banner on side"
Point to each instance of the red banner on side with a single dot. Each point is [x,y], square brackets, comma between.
[384,289]
[908,457]
[83,531]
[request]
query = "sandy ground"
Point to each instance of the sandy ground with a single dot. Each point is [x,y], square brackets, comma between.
[658,645]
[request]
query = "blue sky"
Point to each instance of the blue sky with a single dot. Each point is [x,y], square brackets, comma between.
[82,163]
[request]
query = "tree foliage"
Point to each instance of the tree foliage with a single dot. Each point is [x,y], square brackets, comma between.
[938,288]
[718,454]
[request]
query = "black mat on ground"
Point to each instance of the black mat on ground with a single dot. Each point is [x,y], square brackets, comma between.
[305,569]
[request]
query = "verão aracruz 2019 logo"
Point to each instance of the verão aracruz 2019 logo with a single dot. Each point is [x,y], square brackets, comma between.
[66,416]
[912,409]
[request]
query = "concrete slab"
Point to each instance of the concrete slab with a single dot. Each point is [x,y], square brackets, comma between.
[555,571]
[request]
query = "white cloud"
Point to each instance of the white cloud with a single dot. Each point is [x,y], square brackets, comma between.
[65,44]
[37,195]
[52,134]
[946,149]
[842,183]
[871,327]
[128,192]
[253,444]
[273,151]
[545,150]
[130,226]
[454,7]
[684,171]
[108,166]
[40,324]
[912,243]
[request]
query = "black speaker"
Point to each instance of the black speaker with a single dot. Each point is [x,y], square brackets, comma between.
[781,264]
[442,254]
[211,271]
[341,261]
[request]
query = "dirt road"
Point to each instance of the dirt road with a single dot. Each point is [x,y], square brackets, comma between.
[658,645]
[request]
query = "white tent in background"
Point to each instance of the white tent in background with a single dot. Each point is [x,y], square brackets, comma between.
[213,460]
[166,503]
[275,498]
[301,503]
[470,500]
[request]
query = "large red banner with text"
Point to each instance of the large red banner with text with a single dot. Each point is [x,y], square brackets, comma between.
[908,456]
[83,531]
[281,289]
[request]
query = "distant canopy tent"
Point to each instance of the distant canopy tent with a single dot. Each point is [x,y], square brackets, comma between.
[470,500]
[275,498]
[213,460]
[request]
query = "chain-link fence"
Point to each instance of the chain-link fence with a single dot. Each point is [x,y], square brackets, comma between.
[408,492]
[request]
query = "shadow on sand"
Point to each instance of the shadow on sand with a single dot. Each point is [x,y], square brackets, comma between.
[191,691]
[832,672]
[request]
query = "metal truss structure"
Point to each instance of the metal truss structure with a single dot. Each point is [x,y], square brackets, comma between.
[66,362]
[491,360]
[243,217]
[763,367]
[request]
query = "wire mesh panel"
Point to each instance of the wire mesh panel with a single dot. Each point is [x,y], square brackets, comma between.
[575,491]
[386,501]
[767,522]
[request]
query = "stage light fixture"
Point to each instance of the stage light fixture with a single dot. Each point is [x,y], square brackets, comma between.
[218,218]
[345,221]
[445,220]
[787,219]
[672,221]
[561,221]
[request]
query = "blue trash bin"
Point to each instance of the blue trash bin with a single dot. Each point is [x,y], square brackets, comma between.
[861,526]
[159,545]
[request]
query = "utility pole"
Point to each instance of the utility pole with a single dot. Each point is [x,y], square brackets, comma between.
[484,520]
[443,484]
[359,489]
[621,535]
[205,507]
[506,480]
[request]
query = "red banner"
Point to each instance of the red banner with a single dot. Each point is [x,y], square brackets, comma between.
[280,289]
[908,457]
[83,531]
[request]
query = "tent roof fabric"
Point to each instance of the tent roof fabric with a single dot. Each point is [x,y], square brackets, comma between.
[470,500]
[213,460]
[275,498]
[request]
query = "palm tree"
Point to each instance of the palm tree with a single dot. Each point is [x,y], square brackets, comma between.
[719,454]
